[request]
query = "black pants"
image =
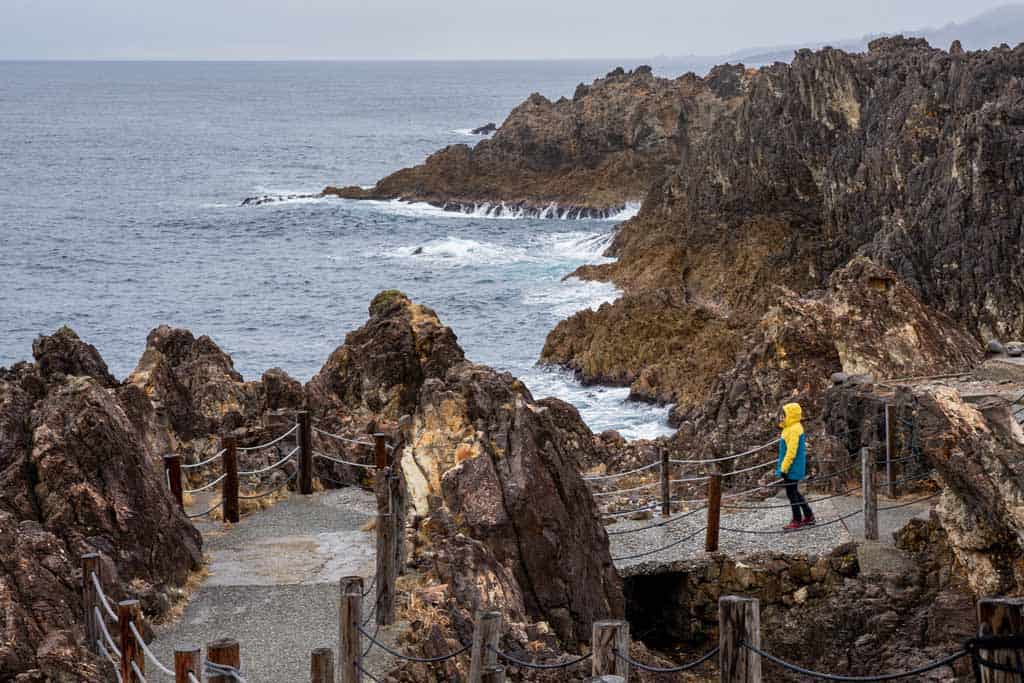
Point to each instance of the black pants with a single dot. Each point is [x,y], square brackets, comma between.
[800,507]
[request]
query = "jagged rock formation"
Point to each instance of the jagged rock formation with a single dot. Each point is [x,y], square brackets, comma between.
[502,515]
[77,476]
[595,152]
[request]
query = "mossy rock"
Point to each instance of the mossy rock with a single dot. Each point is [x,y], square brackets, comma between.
[385,300]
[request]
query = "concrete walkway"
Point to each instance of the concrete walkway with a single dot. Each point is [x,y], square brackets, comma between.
[273,584]
[745,532]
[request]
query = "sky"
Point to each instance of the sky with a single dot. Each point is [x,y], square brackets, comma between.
[445,29]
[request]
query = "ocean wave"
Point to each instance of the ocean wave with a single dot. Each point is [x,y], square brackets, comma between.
[271,197]
[582,246]
[572,295]
[502,210]
[459,251]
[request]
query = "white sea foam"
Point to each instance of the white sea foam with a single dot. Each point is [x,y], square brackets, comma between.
[459,251]
[500,210]
[583,246]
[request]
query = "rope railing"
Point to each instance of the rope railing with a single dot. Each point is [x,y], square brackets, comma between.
[106,633]
[538,665]
[665,670]
[410,658]
[727,458]
[223,670]
[218,454]
[271,491]
[250,473]
[937,664]
[218,504]
[366,673]
[139,676]
[341,461]
[209,485]
[809,501]
[103,596]
[273,442]
[339,437]
[113,662]
[664,547]
[774,532]
[629,490]
[733,473]
[149,653]
[671,520]
[617,475]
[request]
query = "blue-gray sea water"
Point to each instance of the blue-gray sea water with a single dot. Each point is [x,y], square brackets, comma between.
[121,189]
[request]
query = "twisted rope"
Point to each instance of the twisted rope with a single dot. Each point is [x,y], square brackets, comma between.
[207,486]
[103,597]
[666,522]
[748,469]
[408,658]
[665,547]
[652,506]
[103,651]
[273,490]
[216,455]
[532,665]
[138,672]
[601,477]
[270,467]
[786,505]
[203,514]
[756,449]
[773,532]
[909,503]
[945,661]
[149,654]
[324,456]
[271,442]
[341,438]
[106,633]
[223,670]
[192,678]
[689,479]
[670,670]
[621,491]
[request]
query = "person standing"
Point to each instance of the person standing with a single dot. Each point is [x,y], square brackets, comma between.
[792,465]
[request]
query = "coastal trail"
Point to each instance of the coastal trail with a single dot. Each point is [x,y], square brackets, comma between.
[272,584]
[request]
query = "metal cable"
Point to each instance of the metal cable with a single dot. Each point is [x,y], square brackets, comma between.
[786,505]
[670,670]
[106,634]
[664,547]
[318,454]
[367,673]
[370,646]
[270,467]
[658,524]
[207,486]
[372,584]
[342,438]
[204,462]
[103,597]
[773,532]
[203,514]
[269,443]
[599,477]
[147,651]
[408,658]
[273,490]
[138,672]
[945,661]
[531,665]
[726,475]
[728,457]
[621,491]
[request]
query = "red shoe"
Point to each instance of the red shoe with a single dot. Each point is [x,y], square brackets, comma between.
[809,521]
[792,526]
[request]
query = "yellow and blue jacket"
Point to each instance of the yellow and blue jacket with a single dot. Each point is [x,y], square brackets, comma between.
[793,444]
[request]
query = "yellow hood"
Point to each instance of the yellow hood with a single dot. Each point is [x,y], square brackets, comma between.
[793,412]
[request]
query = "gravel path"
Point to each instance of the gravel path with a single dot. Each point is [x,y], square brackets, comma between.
[273,584]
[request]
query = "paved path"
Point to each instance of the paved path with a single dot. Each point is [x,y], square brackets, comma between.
[273,584]
[773,514]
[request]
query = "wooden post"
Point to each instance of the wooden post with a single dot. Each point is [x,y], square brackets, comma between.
[229,489]
[128,613]
[321,665]
[224,651]
[305,439]
[867,467]
[714,512]
[172,466]
[486,630]
[90,601]
[1000,617]
[493,674]
[739,621]
[350,617]
[608,638]
[380,451]
[188,659]
[388,552]
[890,448]
[666,488]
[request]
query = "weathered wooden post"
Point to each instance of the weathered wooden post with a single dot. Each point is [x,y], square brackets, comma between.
[380,451]
[229,490]
[226,653]
[188,659]
[493,674]
[867,467]
[890,448]
[350,616]
[714,512]
[128,613]
[172,466]
[90,601]
[609,637]
[305,452]
[321,665]
[389,536]
[1001,617]
[739,621]
[486,630]
[666,488]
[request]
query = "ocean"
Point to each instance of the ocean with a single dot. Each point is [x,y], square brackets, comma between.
[121,207]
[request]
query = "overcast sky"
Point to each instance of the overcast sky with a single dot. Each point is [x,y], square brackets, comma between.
[444,29]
